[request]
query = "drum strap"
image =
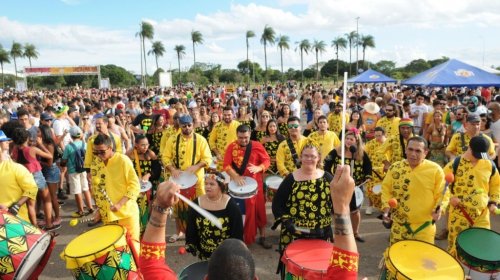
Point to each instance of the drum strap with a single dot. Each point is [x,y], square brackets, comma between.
[420,228]
[137,165]
[378,175]
[295,157]
[177,150]
[240,170]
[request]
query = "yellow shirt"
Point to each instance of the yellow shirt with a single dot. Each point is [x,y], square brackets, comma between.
[417,191]
[391,127]
[335,122]
[458,148]
[284,160]
[222,135]
[375,152]
[17,182]
[392,147]
[94,162]
[326,142]
[167,133]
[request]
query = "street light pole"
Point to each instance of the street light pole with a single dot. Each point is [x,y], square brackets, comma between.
[357,45]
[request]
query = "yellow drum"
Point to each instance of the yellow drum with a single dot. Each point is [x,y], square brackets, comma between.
[413,259]
[101,253]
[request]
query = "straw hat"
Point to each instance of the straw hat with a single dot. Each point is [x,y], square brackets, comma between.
[372,108]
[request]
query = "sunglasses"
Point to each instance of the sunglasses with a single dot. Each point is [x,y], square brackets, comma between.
[100,152]
[293,126]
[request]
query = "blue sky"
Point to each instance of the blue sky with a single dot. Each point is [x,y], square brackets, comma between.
[77,32]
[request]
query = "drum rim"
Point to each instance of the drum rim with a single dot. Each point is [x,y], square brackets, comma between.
[45,234]
[252,180]
[288,259]
[420,241]
[195,263]
[183,186]
[103,249]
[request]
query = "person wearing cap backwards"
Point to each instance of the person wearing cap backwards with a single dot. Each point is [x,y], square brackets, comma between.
[417,185]
[475,192]
[18,191]
[395,146]
[222,134]
[460,141]
[189,152]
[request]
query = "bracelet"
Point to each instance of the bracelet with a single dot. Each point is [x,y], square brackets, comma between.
[159,209]
[156,224]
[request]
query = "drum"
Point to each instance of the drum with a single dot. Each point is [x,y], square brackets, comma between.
[24,249]
[101,253]
[358,196]
[187,182]
[414,259]
[248,190]
[308,258]
[145,186]
[478,250]
[195,271]
[272,183]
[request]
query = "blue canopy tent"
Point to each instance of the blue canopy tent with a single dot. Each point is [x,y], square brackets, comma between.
[454,73]
[371,76]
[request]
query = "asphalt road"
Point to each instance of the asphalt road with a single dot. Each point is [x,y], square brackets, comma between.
[266,260]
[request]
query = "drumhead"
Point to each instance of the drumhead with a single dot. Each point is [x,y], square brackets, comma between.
[195,271]
[308,258]
[420,260]
[33,257]
[377,189]
[145,186]
[249,187]
[479,246]
[273,181]
[185,180]
[358,195]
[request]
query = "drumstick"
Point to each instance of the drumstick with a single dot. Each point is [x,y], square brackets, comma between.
[200,210]
[106,196]
[344,105]
[303,230]
[450,178]
[366,181]
[74,222]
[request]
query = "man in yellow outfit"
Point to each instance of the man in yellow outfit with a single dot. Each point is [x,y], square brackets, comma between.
[327,140]
[377,156]
[475,191]
[390,122]
[335,119]
[395,146]
[287,155]
[417,185]
[187,151]
[222,135]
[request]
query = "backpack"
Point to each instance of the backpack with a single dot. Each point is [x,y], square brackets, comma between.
[79,158]
[456,162]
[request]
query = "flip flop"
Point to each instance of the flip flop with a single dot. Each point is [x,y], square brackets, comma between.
[176,237]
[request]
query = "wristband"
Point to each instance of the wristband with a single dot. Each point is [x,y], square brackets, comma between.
[159,209]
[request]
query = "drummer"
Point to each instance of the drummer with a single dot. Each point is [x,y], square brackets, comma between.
[202,237]
[188,152]
[244,157]
[222,134]
[287,159]
[374,150]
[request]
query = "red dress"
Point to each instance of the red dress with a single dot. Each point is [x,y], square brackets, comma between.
[255,209]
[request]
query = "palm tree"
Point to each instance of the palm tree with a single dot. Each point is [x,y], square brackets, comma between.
[250,34]
[30,52]
[16,51]
[304,47]
[4,58]
[146,32]
[318,47]
[157,49]
[267,37]
[339,43]
[366,41]
[181,51]
[197,38]
[282,42]
[352,39]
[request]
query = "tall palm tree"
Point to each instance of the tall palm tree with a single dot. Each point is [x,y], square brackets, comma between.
[250,34]
[339,43]
[282,42]
[197,38]
[352,39]
[318,47]
[146,32]
[181,51]
[267,37]
[4,58]
[16,51]
[304,47]
[30,52]
[157,49]
[366,41]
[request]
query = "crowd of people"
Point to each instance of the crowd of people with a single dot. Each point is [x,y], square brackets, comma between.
[105,147]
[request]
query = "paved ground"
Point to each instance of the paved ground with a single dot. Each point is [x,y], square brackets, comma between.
[375,234]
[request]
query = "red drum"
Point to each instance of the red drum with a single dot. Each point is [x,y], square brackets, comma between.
[308,258]
[187,182]
[24,249]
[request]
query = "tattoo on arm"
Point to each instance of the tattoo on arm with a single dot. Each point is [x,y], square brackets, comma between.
[342,224]
[156,222]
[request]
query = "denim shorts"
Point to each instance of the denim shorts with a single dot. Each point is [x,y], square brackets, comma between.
[40,180]
[52,174]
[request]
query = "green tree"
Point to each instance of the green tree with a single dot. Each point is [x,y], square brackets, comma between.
[438,61]
[157,49]
[181,51]
[417,66]
[352,38]
[385,66]
[318,47]
[146,32]
[267,37]
[30,52]
[230,76]
[4,58]
[282,42]
[197,38]
[250,34]
[16,51]
[339,43]
[304,47]
[366,41]
[118,76]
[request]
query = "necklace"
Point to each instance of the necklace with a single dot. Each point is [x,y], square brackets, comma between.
[214,201]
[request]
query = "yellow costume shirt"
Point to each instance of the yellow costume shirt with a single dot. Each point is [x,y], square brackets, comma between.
[458,148]
[167,133]
[335,122]
[392,147]
[326,142]
[284,160]
[95,163]
[391,126]
[221,136]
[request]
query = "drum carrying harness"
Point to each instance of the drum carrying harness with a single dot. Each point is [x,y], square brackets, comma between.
[240,170]
[177,150]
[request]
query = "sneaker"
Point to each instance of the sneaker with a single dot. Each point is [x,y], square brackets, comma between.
[369,210]
[53,227]
[262,242]
[78,214]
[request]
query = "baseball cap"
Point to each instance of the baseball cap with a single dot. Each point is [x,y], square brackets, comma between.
[75,132]
[473,118]
[3,137]
[185,119]
[479,147]
[46,117]
[147,104]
